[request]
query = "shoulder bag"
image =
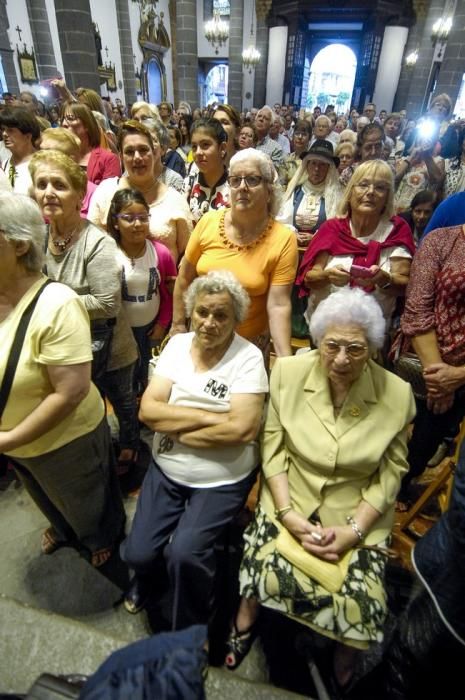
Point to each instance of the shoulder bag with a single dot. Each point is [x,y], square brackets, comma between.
[15,352]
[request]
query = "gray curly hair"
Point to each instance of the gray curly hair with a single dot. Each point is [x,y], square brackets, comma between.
[216,282]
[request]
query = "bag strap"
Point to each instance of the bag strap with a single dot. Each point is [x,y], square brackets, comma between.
[15,350]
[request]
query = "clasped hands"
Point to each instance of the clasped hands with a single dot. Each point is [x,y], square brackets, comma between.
[327,543]
[442,380]
[339,277]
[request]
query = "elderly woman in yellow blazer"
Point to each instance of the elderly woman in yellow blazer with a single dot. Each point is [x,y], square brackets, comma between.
[334,452]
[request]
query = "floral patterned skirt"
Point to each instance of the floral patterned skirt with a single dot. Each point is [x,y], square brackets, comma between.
[354,615]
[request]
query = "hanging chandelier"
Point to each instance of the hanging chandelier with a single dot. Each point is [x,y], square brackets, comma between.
[441,29]
[216,31]
[251,56]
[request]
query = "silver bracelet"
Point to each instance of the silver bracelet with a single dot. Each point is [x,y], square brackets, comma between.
[356,528]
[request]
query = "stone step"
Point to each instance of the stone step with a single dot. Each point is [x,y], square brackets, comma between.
[34,641]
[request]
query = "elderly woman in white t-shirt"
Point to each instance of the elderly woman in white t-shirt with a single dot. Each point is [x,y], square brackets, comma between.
[205,403]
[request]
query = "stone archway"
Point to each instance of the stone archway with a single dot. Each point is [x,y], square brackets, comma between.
[331,78]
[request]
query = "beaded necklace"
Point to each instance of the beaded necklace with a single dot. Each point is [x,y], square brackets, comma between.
[248,246]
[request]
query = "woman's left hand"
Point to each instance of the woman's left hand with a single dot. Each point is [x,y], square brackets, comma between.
[5,441]
[304,237]
[331,548]
[442,379]
[158,332]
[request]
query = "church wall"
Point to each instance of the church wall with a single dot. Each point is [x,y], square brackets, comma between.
[18,17]
[104,16]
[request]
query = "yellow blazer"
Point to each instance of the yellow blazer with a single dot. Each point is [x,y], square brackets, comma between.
[333,464]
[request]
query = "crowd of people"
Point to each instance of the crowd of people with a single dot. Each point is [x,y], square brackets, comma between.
[214,234]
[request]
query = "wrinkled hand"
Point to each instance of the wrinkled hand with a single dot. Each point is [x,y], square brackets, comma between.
[341,538]
[177,328]
[439,404]
[338,276]
[304,237]
[305,531]
[5,442]
[442,379]
[158,332]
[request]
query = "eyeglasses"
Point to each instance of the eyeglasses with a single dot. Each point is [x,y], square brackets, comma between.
[70,118]
[353,350]
[378,187]
[235,181]
[132,218]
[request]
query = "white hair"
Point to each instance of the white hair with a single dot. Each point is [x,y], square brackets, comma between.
[267,171]
[216,282]
[22,221]
[332,192]
[349,306]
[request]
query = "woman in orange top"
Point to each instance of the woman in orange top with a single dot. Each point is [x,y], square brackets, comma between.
[259,251]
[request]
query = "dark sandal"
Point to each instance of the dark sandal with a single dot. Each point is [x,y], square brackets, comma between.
[238,646]
[48,543]
[100,557]
[124,465]
[135,599]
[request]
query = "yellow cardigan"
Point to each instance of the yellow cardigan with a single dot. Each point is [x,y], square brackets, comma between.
[333,464]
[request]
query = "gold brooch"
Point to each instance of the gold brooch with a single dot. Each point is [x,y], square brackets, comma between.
[354,411]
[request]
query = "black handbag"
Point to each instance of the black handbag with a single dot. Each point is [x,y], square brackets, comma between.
[101,332]
[13,357]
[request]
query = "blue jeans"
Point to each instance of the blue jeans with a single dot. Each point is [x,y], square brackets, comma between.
[118,386]
[141,336]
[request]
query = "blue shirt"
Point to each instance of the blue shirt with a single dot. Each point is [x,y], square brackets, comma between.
[451,212]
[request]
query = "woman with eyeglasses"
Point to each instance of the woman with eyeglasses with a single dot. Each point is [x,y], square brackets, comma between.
[247,240]
[329,483]
[148,273]
[141,153]
[97,162]
[363,246]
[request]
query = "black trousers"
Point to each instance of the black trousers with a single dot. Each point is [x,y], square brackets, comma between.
[76,488]
[429,431]
[182,524]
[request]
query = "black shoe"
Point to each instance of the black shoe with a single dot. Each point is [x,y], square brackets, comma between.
[137,595]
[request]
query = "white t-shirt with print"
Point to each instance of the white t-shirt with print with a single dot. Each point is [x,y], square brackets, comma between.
[140,288]
[240,371]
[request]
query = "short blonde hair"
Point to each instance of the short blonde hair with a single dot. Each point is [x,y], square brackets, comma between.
[71,169]
[371,168]
[64,140]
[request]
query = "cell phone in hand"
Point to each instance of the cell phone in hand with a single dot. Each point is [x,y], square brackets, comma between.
[359,271]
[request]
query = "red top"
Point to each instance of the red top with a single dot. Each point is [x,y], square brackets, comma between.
[436,293]
[102,165]
[335,238]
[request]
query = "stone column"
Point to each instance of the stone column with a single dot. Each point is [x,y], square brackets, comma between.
[276,67]
[453,65]
[186,51]
[389,66]
[77,43]
[43,45]
[6,52]
[127,51]
[262,8]
[420,75]
[236,25]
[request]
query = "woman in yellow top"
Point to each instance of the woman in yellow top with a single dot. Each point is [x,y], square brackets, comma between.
[259,251]
[53,426]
